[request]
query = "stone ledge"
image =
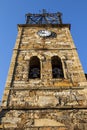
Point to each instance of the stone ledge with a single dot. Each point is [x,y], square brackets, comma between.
[46,88]
[45,108]
[23,50]
[36,128]
[44,25]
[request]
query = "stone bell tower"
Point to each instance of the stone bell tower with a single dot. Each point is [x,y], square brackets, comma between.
[46,88]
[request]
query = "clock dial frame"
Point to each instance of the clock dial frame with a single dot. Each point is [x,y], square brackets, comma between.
[44,33]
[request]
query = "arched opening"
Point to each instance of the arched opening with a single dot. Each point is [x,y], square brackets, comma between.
[34,67]
[57,71]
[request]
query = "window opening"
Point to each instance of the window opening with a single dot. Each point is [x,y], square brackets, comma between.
[34,68]
[57,71]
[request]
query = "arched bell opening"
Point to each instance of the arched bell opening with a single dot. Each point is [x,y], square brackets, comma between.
[57,70]
[34,68]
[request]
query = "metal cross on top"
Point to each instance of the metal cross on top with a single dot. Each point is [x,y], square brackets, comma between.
[44,18]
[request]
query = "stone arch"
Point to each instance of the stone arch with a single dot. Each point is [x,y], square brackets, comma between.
[34,68]
[57,69]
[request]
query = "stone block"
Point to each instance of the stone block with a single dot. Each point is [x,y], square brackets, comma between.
[47,122]
[46,101]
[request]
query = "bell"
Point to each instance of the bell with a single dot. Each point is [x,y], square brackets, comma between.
[35,75]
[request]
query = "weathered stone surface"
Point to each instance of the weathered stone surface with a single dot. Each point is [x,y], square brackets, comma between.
[47,122]
[52,119]
[48,98]
[45,103]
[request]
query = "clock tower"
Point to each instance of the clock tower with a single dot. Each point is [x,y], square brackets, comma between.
[46,88]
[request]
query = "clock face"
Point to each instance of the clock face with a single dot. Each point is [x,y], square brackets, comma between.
[44,33]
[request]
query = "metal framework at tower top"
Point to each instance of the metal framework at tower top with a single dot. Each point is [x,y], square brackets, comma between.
[44,18]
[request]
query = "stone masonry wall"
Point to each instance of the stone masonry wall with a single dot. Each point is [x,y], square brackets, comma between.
[33,45]
[45,98]
[29,44]
[46,103]
[44,119]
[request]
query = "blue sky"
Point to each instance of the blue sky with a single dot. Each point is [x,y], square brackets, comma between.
[12,12]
